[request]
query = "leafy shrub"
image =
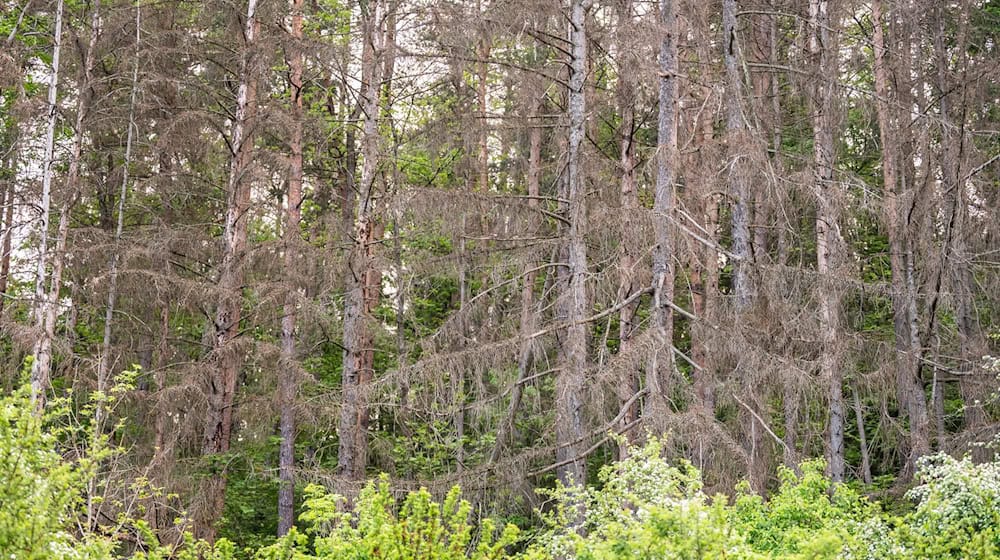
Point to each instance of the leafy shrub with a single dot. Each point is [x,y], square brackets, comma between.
[808,516]
[957,512]
[421,529]
[39,489]
[645,509]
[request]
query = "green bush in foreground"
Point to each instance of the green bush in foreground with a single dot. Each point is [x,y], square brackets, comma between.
[644,508]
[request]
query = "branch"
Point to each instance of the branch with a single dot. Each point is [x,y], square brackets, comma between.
[763,423]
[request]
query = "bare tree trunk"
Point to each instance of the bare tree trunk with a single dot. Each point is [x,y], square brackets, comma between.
[482,81]
[971,344]
[909,385]
[43,347]
[8,232]
[104,365]
[361,279]
[40,367]
[705,285]
[823,47]
[288,378]
[162,458]
[661,366]
[629,202]
[222,382]
[737,145]
[572,376]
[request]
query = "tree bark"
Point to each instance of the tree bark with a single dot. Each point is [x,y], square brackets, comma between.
[104,364]
[104,360]
[661,366]
[823,47]
[288,377]
[737,144]
[40,366]
[909,385]
[8,232]
[528,316]
[573,369]
[956,259]
[362,280]
[628,200]
[223,376]
[866,468]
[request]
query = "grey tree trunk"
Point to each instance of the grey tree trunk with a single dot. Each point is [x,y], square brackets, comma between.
[661,365]
[40,375]
[737,144]
[628,200]
[956,258]
[909,385]
[866,469]
[104,360]
[823,47]
[104,365]
[528,312]
[573,369]
[288,375]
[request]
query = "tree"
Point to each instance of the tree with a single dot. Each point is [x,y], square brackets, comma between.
[221,389]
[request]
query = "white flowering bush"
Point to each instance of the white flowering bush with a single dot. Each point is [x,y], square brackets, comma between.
[957,512]
[645,508]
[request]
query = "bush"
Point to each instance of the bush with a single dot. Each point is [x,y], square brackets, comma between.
[40,491]
[645,508]
[808,516]
[957,512]
[421,529]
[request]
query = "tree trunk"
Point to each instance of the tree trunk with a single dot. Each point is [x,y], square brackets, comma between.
[737,144]
[362,280]
[288,378]
[223,377]
[572,375]
[528,313]
[104,364]
[40,366]
[866,469]
[956,257]
[8,231]
[104,360]
[823,47]
[661,366]
[909,386]
[628,200]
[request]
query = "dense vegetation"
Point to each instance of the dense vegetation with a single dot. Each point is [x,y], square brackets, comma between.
[642,507]
[642,278]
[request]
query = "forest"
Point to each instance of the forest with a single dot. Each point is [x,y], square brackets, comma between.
[534,279]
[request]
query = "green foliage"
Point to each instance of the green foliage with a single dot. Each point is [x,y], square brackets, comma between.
[957,513]
[421,529]
[40,490]
[643,507]
[808,515]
